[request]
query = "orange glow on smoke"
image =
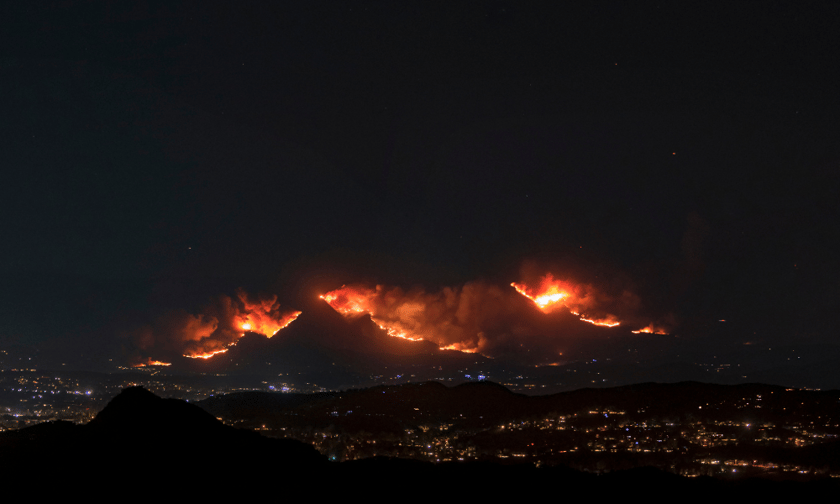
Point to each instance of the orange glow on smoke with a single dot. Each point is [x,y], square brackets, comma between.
[547,295]
[475,317]
[230,319]
[348,300]
[359,300]
[266,324]
[551,294]
[464,318]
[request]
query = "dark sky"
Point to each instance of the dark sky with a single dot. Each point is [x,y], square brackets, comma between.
[157,154]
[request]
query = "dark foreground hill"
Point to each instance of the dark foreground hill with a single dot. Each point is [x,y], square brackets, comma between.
[141,436]
[141,444]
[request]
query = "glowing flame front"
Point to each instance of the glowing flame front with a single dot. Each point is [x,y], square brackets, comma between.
[267,324]
[150,362]
[551,294]
[650,329]
[349,300]
[359,300]
[207,355]
[547,295]
[231,319]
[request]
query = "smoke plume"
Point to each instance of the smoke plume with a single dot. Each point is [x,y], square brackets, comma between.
[215,329]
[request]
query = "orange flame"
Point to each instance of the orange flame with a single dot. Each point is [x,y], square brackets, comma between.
[150,362]
[231,319]
[460,347]
[608,321]
[474,318]
[359,300]
[650,329]
[550,294]
[206,355]
[264,324]
[349,300]
[547,295]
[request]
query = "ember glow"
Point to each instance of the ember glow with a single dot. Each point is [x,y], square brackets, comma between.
[214,330]
[476,317]
[604,322]
[360,300]
[150,362]
[547,294]
[550,294]
[234,317]
[207,355]
[459,347]
[265,323]
[456,318]
[650,329]
[350,300]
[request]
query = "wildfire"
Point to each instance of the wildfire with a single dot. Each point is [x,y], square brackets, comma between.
[359,300]
[650,329]
[267,325]
[152,363]
[349,300]
[547,295]
[454,318]
[207,355]
[474,317]
[551,294]
[396,332]
[229,319]
[605,322]
[459,347]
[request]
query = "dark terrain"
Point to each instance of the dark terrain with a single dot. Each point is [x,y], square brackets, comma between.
[142,440]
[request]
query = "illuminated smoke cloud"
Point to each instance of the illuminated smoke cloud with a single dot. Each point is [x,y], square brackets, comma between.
[582,300]
[619,307]
[493,320]
[214,330]
[261,315]
[476,317]
[536,318]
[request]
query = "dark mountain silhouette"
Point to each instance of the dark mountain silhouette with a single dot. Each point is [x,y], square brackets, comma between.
[138,433]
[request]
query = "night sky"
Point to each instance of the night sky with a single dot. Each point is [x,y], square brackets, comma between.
[156,155]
